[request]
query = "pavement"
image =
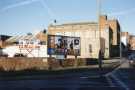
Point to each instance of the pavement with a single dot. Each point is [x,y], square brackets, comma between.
[111,63]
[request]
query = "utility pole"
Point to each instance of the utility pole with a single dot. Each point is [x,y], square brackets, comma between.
[100,52]
[98,15]
[120,44]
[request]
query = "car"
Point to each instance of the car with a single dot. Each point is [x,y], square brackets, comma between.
[19,55]
[3,55]
[131,56]
[131,59]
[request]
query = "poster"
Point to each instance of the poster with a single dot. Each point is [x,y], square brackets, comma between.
[63,45]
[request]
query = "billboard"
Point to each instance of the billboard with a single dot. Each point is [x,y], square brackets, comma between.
[63,45]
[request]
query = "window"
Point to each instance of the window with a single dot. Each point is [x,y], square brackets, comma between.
[76,41]
[43,43]
[20,42]
[31,42]
[90,48]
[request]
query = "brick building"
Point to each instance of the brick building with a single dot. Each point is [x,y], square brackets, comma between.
[125,38]
[3,38]
[89,34]
[114,27]
[132,42]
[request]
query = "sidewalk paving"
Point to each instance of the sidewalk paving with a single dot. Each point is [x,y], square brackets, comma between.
[106,64]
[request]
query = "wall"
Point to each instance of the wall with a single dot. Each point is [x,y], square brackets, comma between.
[125,38]
[105,40]
[114,27]
[29,52]
[2,44]
[9,64]
[90,35]
[87,32]
[22,63]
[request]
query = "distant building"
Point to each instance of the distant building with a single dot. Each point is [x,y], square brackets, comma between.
[125,43]
[3,38]
[30,45]
[132,42]
[125,38]
[89,34]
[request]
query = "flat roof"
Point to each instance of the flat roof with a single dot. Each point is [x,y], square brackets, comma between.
[76,23]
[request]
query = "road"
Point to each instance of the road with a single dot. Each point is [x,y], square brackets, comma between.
[120,78]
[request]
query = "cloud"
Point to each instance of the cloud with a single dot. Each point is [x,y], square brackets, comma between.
[18,4]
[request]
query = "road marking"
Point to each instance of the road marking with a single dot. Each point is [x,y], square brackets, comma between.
[110,81]
[122,84]
[84,77]
[115,69]
[112,74]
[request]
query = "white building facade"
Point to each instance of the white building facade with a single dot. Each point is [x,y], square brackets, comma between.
[27,45]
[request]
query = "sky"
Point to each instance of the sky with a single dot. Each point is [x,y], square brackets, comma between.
[24,16]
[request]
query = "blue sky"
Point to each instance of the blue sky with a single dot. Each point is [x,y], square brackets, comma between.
[23,16]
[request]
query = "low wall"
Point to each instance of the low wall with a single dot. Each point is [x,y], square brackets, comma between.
[23,63]
[71,62]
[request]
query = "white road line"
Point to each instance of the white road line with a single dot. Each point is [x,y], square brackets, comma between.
[84,77]
[122,84]
[112,74]
[115,69]
[110,81]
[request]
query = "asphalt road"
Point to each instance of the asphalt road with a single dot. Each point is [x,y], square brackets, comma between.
[121,78]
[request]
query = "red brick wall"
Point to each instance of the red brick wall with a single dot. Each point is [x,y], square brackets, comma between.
[22,63]
[9,64]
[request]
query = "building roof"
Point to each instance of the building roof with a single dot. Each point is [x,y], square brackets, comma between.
[21,37]
[4,37]
[76,23]
[27,37]
[132,36]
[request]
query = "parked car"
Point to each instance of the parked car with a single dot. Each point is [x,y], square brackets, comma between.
[131,59]
[19,55]
[3,55]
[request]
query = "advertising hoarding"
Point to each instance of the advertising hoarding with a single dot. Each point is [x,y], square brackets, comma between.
[63,45]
